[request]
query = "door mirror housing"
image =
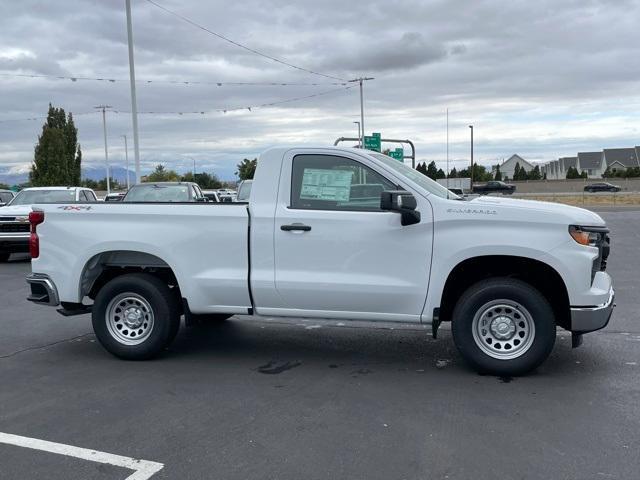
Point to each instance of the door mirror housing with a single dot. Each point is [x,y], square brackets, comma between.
[402,202]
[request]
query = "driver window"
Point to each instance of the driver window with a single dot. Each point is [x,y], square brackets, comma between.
[328,182]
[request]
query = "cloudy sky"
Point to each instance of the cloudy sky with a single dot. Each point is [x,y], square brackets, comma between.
[542,79]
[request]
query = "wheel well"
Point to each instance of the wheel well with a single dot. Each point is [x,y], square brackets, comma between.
[538,274]
[106,266]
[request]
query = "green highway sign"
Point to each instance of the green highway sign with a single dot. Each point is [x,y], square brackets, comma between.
[398,154]
[372,142]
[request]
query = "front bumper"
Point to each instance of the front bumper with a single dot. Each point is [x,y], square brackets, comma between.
[589,319]
[14,242]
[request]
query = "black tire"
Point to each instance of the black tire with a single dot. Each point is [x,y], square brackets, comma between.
[528,306]
[159,299]
[4,257]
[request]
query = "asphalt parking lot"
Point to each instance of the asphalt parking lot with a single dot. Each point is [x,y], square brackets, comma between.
[251,399]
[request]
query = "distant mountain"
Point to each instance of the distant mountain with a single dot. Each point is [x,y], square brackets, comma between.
[89,172]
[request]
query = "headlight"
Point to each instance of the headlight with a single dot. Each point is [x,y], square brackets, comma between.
[588,236]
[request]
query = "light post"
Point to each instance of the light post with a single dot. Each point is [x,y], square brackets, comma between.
[194,165]
[471,180]
[106,152]
[134,102]
[126,157]
[360,80]
[359,145]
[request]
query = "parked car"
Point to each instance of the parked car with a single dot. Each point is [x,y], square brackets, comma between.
[5,197]
[114,197]
[162,192]
[504,272]
[227,195]
[244,191]
[601,187]
[14,217]
[494,187]
[211,195]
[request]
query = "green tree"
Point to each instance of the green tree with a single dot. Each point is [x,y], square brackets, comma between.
[161,174]
[206,181]
[534,174]
[453,173]
[247,168]
[498,175]
[422,168]
[432,170]
[57,156]
[440,174]
[572,172]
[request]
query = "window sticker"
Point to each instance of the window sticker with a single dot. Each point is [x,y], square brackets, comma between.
[331,185]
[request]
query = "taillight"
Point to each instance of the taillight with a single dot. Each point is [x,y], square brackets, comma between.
[35,218]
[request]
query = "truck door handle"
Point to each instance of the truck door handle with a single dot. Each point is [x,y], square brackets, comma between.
[295,227]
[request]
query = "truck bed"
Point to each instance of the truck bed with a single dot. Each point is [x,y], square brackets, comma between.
[205,245]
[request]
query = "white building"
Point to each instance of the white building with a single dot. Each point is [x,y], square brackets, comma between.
[507,168]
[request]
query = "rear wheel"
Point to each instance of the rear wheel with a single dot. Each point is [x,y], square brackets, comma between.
[4,257]
[503,327]
[135,316]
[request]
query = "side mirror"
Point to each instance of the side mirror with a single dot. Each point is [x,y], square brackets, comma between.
[202,199]
[402,202]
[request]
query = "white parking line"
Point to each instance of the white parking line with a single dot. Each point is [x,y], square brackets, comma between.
[144,469]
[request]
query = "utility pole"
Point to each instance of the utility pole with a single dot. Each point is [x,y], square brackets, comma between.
[134,102]
[126,158]
[360,80]
[359,144]
[106,152]
[447,149]
[471,181]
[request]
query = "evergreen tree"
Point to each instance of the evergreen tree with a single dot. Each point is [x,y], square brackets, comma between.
[247,168]
[453,173]
[440,174]
[498,175]
[161,174]
[57,155]
[432,170]
[534,174]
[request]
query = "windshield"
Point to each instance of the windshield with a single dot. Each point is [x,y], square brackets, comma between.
[423,181]
[154,192]
[29,197]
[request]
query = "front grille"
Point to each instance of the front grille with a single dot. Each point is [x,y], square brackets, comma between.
[7,219]
[14,227]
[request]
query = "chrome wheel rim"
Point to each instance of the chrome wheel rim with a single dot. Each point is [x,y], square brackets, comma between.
[503,329]
[129,318]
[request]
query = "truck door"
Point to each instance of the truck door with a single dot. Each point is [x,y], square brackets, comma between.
[337,254]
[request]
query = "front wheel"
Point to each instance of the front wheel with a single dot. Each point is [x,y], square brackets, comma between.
[503,327]
[135,316]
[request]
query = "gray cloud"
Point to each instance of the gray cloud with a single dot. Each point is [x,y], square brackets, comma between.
[542,78]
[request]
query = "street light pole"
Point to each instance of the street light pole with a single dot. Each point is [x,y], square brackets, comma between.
[360,80]
[126,157]
[106,152]
[359,145]
[134,102]
[471,181]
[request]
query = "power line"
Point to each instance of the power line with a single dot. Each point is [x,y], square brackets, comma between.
[226,39]
[75,78]
[234,109]
[200,112]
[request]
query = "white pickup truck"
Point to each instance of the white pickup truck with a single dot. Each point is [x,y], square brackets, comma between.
[331,233]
